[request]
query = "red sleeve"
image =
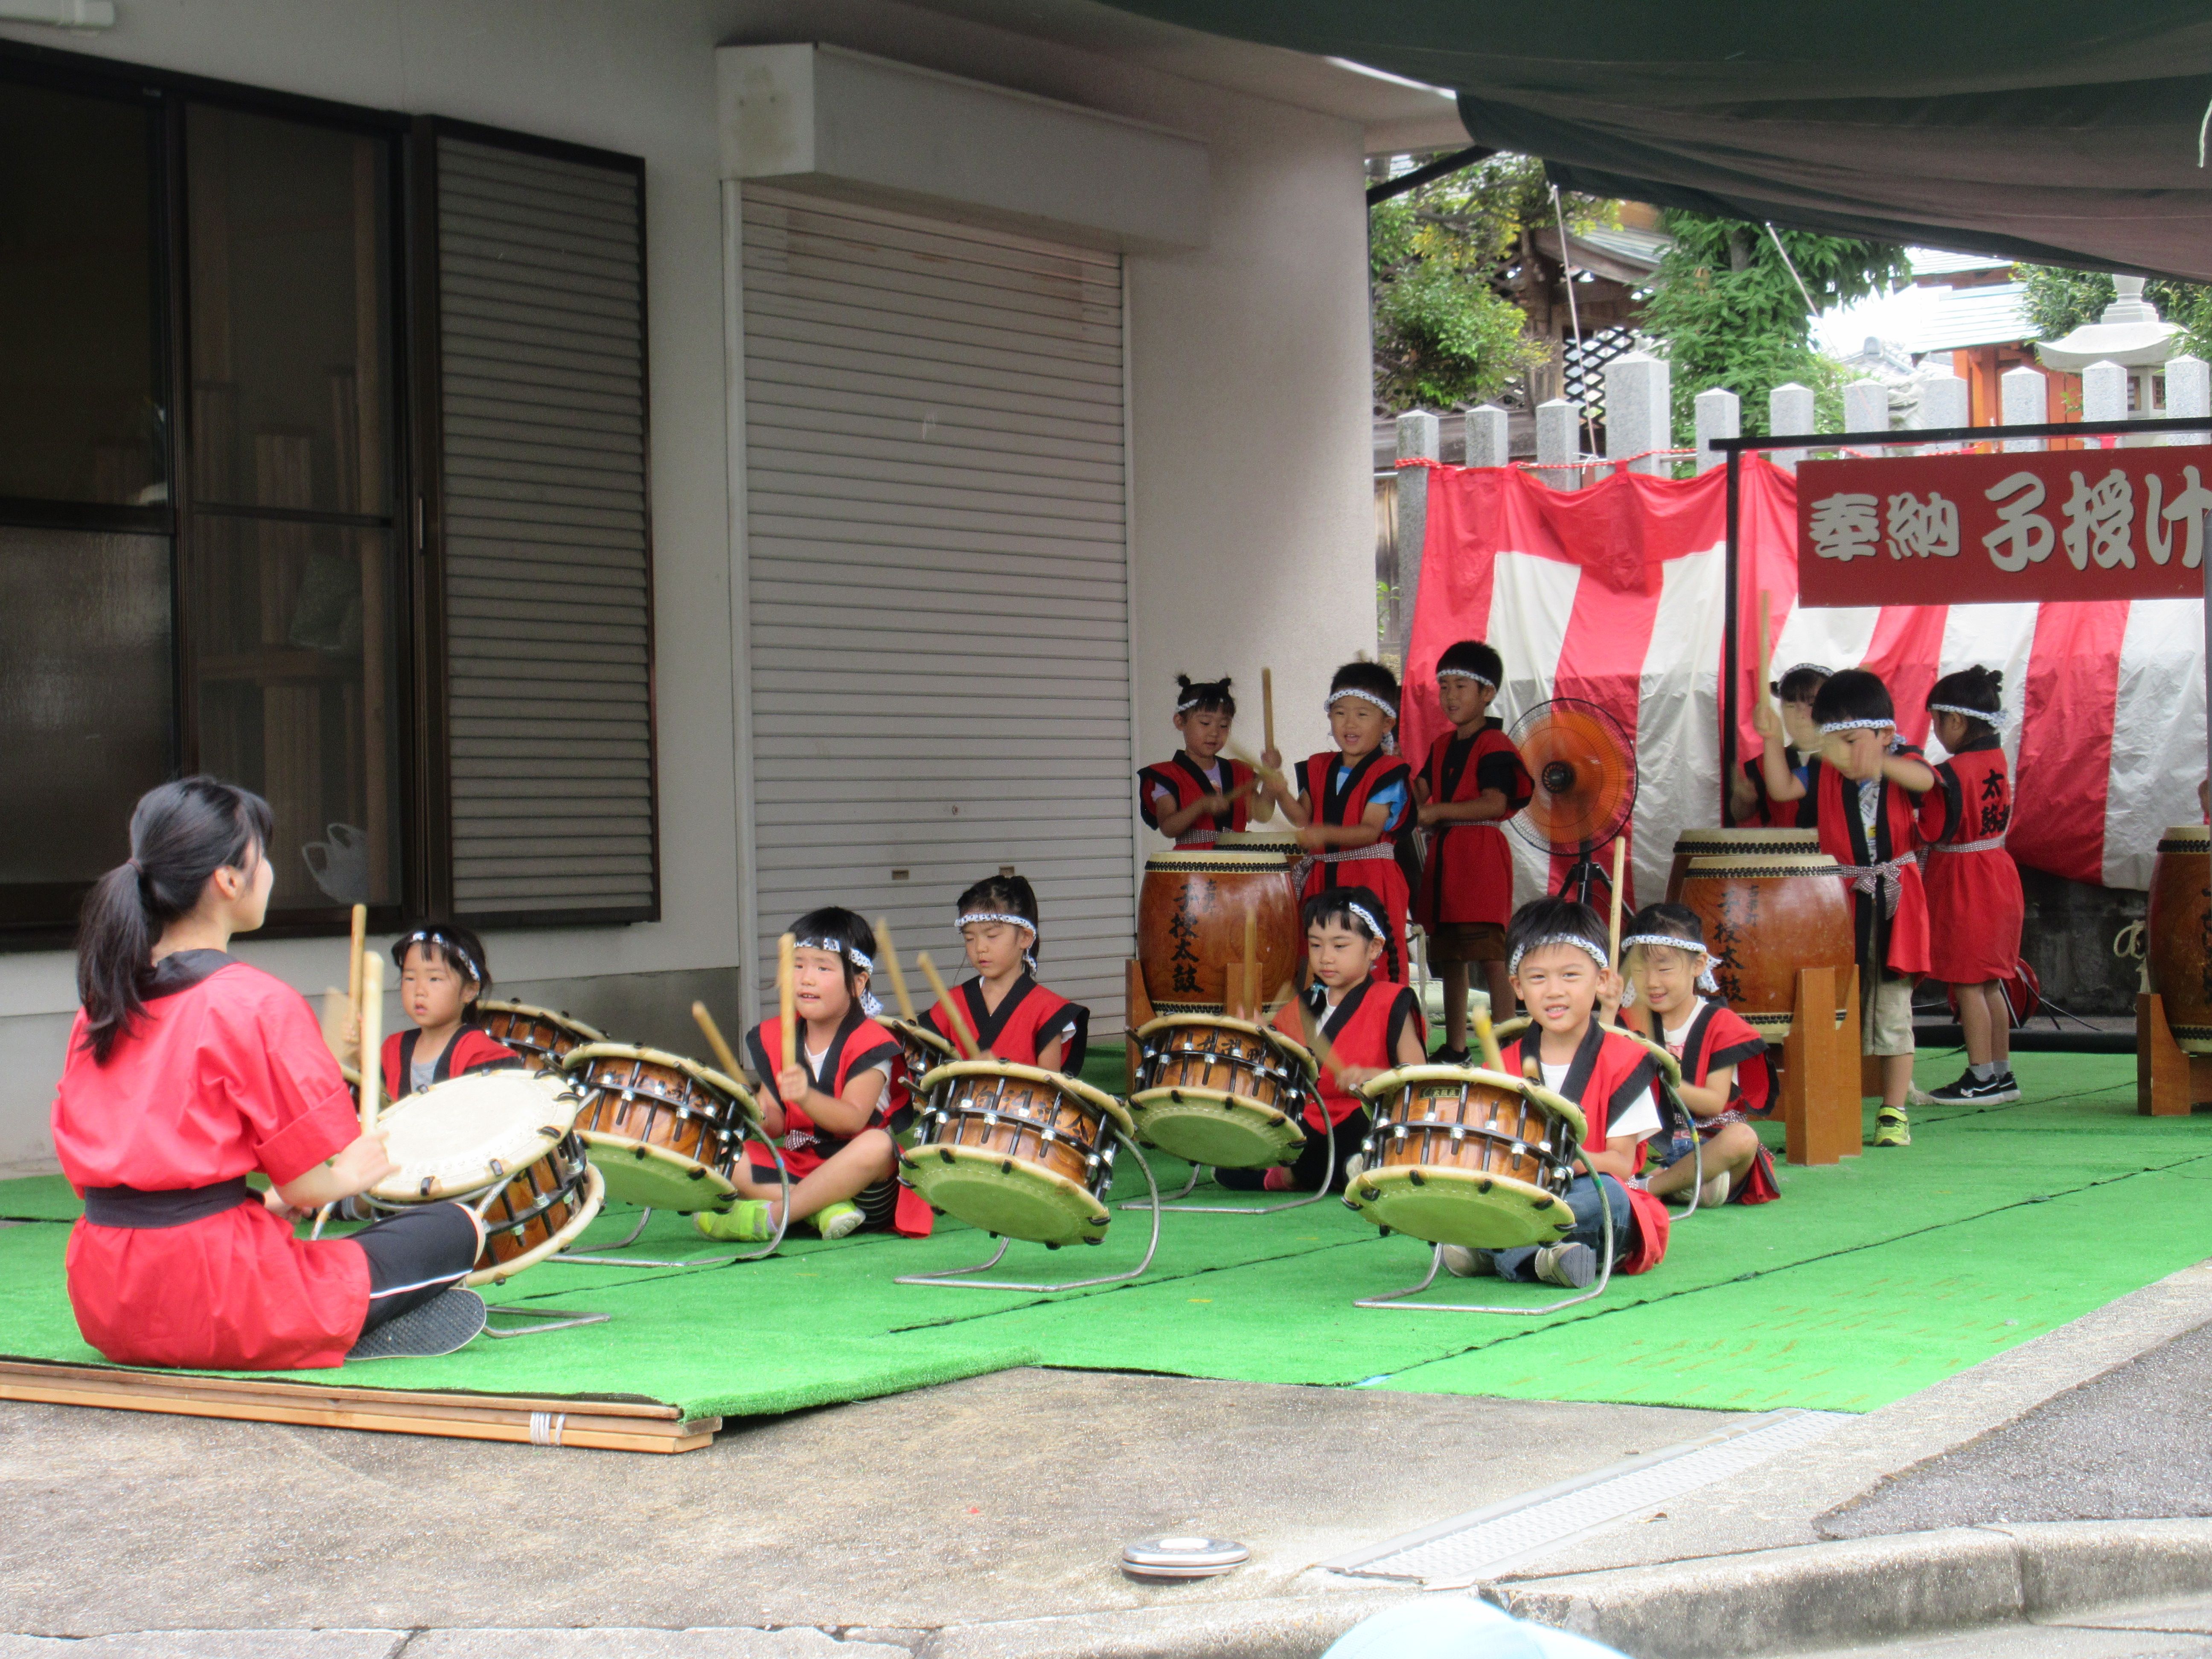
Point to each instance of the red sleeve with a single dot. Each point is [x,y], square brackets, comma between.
[394,1084]
[270,1060]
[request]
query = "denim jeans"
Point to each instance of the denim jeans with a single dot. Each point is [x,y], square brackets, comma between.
[1581,1197]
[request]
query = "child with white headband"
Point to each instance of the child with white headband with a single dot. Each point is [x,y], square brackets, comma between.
[1674,1001]
[442,974]
[1767,792]
[1471,783]
[1865,803]
[1561,969]
[1352,806]
[1003,1007]
[829,1107]
[1194,796]
[1975,906]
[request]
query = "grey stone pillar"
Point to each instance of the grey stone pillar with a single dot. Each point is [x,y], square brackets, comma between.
[1944,401]
[1487,442]
[2103,392]
[1558,443]
[1789,411]
[2188,396]
[2024,399]
[1638,414]
[1719,415]
[1420,437]
[1866,406]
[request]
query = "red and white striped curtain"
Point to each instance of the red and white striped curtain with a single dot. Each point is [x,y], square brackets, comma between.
[1615,594]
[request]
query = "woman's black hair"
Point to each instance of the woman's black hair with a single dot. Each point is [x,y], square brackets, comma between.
[1475,658]
[1553,918]
[841,930]
[454,945]
[181,834]
[1370,677]
[1801,684]
[1203,696]
[1334,905]
[1854,693]
[1011,896]
[1972,688]
[1675,921]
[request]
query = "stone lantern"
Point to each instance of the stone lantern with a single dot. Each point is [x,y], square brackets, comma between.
[2132,334]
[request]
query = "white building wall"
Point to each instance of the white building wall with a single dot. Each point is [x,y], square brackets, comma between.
[1253,539]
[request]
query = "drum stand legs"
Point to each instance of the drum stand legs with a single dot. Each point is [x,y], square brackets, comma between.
[957,1278]
[1395,1299]
[1328,1180]
[557,1318]
[601,1260]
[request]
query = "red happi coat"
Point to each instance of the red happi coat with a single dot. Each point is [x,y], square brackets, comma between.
[1718,1037]
[1184,779]
[1766,812]
[1468,874]
[224,1074]
[1026,1020]
[1975,906]
[1361,1030]
[1898,942]
[1378,866]
[1610,1073]
[858,1044]
[471,1050]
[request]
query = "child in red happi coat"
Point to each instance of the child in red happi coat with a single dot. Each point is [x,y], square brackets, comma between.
[1792,747]
[442,974]
[1194,796]
[1005,1009]
[1975,906]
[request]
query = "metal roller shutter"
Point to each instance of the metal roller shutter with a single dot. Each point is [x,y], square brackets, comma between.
[548,575]
[939,595]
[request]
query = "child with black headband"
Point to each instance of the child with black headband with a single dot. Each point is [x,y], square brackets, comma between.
[1352,804]
[1003,1007]
[442,976]
[1194,796]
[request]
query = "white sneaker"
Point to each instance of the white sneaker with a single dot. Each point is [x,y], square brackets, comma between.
[1570,1267]
[1463,1263]
[1713,1192]
[1352,1166]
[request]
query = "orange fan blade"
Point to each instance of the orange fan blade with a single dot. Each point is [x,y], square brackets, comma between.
[1584,770]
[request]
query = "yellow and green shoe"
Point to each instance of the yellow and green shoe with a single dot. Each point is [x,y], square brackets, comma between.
[836,1220]
[745,1221]
[1892,1127]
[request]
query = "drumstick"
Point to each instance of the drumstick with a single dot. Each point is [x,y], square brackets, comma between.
[888,951]
[728,1060]
[1324,1051]
[1486,1036]
[1765,647]
[961,1034]
[1267,706]
[1267,772]
[1612,923]
[786,998]
[372,1040]
[353,976]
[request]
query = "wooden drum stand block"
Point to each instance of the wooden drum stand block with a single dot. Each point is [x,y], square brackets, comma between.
[2169,1081]
[1819,1098]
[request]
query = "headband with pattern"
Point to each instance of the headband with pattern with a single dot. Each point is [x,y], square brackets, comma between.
[468,964]
[1334,697]
[1819,668]
[1467,674]
[1029,951]
[1832,727]
[1706,983]
[869,1004]
[1373,927]
[1595,952]
[1190,702]
[1994,716]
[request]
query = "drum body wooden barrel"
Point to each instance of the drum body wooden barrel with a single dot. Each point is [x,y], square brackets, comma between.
[1766,915]
[1190,923]
[1731,844]
[539,1034]
[2178,936]
[1459,1155]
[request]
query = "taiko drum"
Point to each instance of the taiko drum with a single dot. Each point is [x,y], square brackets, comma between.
[539,1034]
[1733,843]
[2178,935]
[1765,915]
[1190,923]
[1460,1155]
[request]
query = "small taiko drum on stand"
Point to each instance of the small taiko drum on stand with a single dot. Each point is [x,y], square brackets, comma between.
[2177,933]
[502,1143]
[667,1132]
[1733,843]
[539,1034]
[1019,1153]
[1191,912]
[922,1049]
[1222,1094]
[1461,1155]
[1764,916]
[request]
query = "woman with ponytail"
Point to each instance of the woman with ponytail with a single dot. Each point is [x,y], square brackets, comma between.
[187,1070]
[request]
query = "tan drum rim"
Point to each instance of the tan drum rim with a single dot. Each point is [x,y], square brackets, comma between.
[2186,838]
[1093,1096]
[592,1189]
[930,1038]
[1271,839]
[1391,1082]
[1766,866]
[1761,837]
[720,1082]
[1231,863]
[985,1155]
[531,1011]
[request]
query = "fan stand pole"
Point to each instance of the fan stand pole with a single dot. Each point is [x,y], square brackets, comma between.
[1582,875]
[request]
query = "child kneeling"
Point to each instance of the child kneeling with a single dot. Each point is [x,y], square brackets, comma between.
[1556,954]
[1724,1073]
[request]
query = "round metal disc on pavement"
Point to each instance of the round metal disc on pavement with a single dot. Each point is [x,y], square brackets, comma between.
[1182,1555]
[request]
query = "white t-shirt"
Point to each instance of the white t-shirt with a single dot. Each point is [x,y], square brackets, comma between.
[1679,1035]
[1638,1122]
[816,1056]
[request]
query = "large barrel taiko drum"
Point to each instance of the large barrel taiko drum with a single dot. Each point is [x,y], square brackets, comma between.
[1729,843]
[1765,915]
[2177,934]
[1190,922]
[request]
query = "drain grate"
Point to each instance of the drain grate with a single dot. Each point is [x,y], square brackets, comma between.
[1470,1548]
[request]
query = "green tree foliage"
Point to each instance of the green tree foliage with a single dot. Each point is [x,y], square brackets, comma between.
[1441,261]
[1730,314]
[2059,301]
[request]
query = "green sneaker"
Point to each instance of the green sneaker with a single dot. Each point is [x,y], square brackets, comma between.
[746,1222]
[836,1220]
[1892,1127]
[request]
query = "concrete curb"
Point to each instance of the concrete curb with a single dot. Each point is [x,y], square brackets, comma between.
[1870,1589]
[1275,1627]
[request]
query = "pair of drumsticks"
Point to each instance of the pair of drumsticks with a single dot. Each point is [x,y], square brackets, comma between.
[365,1007]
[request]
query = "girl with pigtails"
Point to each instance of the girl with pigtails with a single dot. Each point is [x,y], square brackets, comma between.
[1194,796]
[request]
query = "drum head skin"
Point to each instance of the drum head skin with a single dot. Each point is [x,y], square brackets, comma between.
[1216,1128]
[460,1136]
[920,1035]
[1005,1196]
[1459,1206]
[592,1194]
[655,1177]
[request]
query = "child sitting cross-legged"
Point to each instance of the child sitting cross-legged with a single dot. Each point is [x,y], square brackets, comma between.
[441,976]
[1556,952]
[1724,1072]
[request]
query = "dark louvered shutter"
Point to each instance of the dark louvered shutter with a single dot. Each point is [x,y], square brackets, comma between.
[546,544]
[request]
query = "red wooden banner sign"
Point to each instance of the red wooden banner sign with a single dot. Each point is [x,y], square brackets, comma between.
[2085,524]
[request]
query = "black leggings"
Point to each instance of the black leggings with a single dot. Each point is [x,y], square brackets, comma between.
[1305,1174]
[414,1257]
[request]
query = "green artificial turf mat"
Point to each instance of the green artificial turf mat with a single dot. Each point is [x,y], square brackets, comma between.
[1869,1279]
[38,1198]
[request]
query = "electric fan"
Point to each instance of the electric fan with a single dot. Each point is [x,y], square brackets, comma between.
[1584,768]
